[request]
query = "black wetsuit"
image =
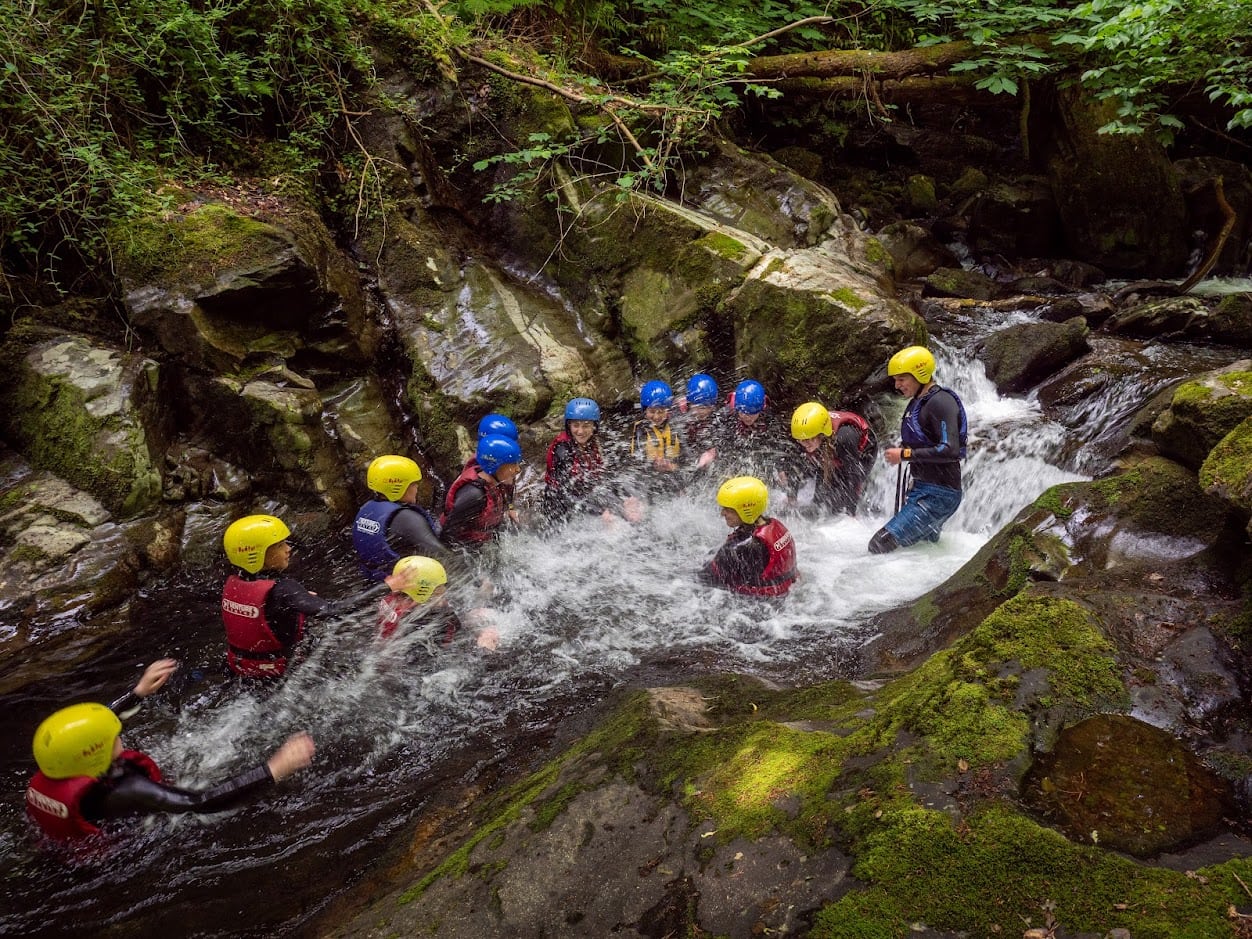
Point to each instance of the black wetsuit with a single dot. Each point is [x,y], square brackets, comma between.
[126,790]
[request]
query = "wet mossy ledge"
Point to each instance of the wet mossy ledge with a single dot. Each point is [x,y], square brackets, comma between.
[914,781]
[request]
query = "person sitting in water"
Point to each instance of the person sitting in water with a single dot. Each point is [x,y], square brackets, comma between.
[933,433]
[419,599]
[478,501]
[750,442]
[758,558]
[654,440]
[700,427]
[574,481]
[86,776]
[264,612]
[498,425]
[392,524]
[837,450]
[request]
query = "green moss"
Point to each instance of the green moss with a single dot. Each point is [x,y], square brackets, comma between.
[996,872]
[721,243]
[1228,467]
[1057,500]
[848,298]
[197,243]
[875,253]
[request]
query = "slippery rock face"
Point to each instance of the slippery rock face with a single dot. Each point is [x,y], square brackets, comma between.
[1202,411]
[1188,319]
[89,413]
[1227,470]
[1019,357]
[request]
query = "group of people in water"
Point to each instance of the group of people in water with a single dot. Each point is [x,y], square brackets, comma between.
[86,776]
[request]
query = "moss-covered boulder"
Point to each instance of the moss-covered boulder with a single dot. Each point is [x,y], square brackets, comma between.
[218,288]
[1227,470]
[815,324]
[1187,319]
[915,251]
[1019,357]
[958,282]
[1202,412]
[90,414]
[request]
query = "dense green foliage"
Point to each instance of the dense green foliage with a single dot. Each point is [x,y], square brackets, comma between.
[104,104]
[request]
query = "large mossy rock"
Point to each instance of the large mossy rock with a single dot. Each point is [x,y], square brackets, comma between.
[1227,470]
[1202,412]
[1101,183]
[217,288]
[1188,319]
[88,413]
[1019,357]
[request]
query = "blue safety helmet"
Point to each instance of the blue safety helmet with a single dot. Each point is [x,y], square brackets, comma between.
[495,451]
[701,389]
[497,425]
[582,409]
[749,397]
[656,394]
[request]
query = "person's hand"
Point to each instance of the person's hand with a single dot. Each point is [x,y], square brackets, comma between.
[707,457]
[632,509]
[488,639]
[154,676]
[294,755]
[893,455]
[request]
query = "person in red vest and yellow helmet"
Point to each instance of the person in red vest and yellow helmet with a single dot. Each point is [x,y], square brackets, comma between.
[87,777]
[758,558]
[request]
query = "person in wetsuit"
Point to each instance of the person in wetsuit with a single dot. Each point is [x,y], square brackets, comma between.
[750,441]
[836,451]
[700,424]
[575,477]
[87,777]
[391,525]
[264,613]
[758,558]
[479,501]
[933,434]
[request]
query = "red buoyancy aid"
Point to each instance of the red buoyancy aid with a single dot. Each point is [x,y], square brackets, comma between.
[587,462]
[492,515]
[839,418]
[55,805]
[780,567]
[252,649]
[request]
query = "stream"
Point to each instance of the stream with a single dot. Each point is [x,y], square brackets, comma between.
[584,614]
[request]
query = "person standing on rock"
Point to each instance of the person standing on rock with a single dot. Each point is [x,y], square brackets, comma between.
[392,525]
[933,434]
[86,777]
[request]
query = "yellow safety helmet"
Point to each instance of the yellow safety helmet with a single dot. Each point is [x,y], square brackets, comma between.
[76,741]
[747,495]
[247,539]
[811,420]
[421,575]
[390,475]
[916,361]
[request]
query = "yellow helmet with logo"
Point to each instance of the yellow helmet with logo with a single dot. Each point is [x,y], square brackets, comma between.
[811,420]
[390,475]
[916,361]
[76,741]
[247,539]
[419,576]
[747,495]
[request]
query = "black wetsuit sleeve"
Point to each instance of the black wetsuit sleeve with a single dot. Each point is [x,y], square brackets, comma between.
[133,793]
[284,605]
[410,533]
[740,561]
[470,503]
[127,702]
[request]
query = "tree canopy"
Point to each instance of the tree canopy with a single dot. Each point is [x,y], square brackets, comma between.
[105,103]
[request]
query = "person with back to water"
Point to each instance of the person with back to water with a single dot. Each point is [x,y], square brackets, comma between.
[479,500]
[933,434]
[391,524]
[700,427]
[575,475]
[837,450]
[419,600]
[263,611]
[758,558]
[750,442]
[86,776]
[654,441]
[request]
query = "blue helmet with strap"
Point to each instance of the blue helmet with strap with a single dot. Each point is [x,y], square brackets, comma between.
[656,394]
[582,409]
[497,425]
[749,397]
[701,389]
[496,451]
